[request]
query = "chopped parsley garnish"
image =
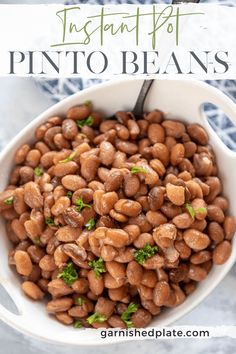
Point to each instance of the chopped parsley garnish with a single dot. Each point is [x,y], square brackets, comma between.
[69,194]
[38,171]
[88,103]
[69,158]
[90,224]
[79,301]
[88,121]
[144,253]
[192,212]
[126,315]
[97,266]
[81,205]
[77,324]
[69,274]
[49,222]
[9,201]
[36,241]
[96,317]
[138,169]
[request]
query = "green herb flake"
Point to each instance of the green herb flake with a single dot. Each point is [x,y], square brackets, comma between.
[69,194]
[200,210]
[78,324]
[144,253]
[69,158]
[126,315]
[90,224]
[88,121]
[138,169]
[36,241]
[97,266]
[38,171]
[8,201]
[190,210]
[88,103]
[69,274]
[96,317]
[81,205]
[49,222]
[79,301]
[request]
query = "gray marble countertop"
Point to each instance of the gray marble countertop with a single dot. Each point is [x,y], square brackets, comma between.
[20,101]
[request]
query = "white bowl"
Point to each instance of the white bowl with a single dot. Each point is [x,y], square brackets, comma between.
[179,100]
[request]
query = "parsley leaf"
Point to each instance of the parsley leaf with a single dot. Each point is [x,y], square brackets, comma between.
[200,210]
[38,171]
[88,121]
[8,201]
[79,301]
[69,158]
[77,324]
[69,194]
[88,103]
[192,212]
[126,315]
[49,222]
[90,224]
[81,205]
[96,317]
[138,169]
[144,253]
[97,266]
[69,274]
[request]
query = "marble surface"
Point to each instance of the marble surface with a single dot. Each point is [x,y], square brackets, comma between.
[20,101]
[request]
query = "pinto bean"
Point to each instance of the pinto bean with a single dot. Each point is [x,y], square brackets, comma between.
[134,273]
[196,273]
[196,239]
[107,153]
[198,134]
[79,112]
[216,232]
[32,195]
[156,133]
[68,233]
[104,307]
[131,185]
[96,284]
[128,207]
[229,227]
[165,234]
[59,305]
[113,237]
[161,293]
[214,213]
[21,154]
[32,290]
[183,221]
[156,198]
[69,129]
[176,194]
[177,154]
[114,181]
[23,263]
[222,252]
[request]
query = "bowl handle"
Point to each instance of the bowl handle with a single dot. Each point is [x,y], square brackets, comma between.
[220,100]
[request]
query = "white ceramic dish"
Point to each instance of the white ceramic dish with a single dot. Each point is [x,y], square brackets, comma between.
[179,100]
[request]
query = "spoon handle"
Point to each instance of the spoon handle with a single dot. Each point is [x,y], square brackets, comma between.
[138,108]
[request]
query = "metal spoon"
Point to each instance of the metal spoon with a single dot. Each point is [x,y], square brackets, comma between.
[138,108]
